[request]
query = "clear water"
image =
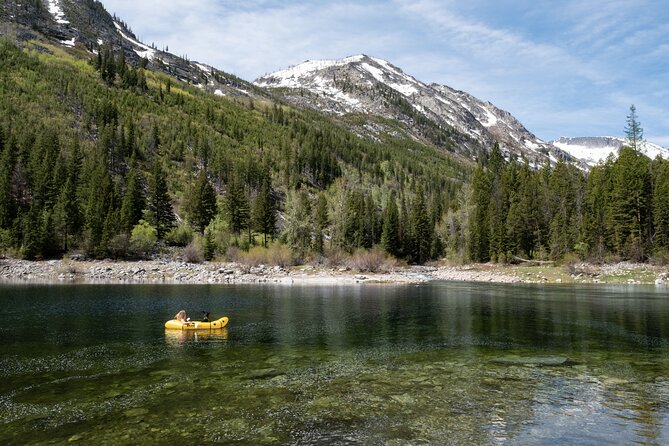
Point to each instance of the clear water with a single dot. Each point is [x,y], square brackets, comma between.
[442,363]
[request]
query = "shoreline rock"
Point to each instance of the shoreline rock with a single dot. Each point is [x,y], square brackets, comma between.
[179,272]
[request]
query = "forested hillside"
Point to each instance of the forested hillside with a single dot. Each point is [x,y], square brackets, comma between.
[110,159]
[104,158]
[619,210]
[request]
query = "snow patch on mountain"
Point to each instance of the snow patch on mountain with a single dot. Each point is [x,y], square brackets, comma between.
[69,43]
[363,84]
[56,11]
[596,150]
[143,51]
[290,78]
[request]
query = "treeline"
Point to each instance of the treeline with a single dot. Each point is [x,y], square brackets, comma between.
[114,161]
[619,210]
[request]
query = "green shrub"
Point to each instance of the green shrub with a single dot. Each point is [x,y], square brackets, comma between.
[180,235]
[143,237]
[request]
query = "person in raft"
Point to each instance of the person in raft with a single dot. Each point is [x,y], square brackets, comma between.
[181,317]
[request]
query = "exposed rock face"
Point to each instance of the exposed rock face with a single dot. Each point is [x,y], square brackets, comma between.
[446,117]
[86,24]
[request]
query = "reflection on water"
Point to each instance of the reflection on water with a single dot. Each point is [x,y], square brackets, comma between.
[441,363]
[178,338]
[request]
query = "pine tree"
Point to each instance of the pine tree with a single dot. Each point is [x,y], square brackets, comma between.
[597,203]
[633,130]
[236,206]
[264,212]
[661,203]
[98,198]
[390,236]
[203,202]
[67,213]
[160,207]
[479,238]
[321,222]
[631,204]
[133,202]
[355,220]
[498,205]
[8,205]
[421,229]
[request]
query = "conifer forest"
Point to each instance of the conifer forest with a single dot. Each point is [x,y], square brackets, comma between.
[109,160]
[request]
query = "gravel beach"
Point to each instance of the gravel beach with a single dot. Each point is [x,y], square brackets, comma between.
[168,271]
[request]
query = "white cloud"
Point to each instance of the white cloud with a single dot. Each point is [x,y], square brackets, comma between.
[574,74]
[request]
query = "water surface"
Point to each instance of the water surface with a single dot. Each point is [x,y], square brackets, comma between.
[441,363]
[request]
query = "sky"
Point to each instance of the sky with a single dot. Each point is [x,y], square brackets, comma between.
[562,67]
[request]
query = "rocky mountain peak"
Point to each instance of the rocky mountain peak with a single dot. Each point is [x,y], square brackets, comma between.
[436,113]
[87,25]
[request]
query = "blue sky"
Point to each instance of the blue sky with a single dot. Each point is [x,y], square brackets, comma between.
[562,67]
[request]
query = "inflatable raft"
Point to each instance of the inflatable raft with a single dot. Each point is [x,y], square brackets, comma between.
[196,325]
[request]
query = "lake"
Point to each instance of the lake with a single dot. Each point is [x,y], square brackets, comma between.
[439,363]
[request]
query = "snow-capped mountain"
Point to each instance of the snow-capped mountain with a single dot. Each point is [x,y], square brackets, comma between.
[368,85]
[594,150]
[86,25]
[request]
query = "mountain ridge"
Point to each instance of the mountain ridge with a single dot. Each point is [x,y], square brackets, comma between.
[349,85]
[87,24]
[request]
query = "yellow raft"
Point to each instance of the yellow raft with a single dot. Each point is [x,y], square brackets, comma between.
[196,325]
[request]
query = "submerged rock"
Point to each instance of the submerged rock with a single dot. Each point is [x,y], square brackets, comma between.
[532,360]
[136,412]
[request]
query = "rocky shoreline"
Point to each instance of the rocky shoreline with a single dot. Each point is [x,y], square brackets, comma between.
[179,272]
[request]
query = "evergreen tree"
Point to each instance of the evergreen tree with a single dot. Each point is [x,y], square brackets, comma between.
[67,213]
[390,236]
[98,198]
[633,130]
[661,203]
[264,212]
[355,220]
[595,225]
[203,202]
[566,185]
[498,205]
[8,204]
[321,222]
[236,206]
[160,207]
[479,238]
[421,229]
[631,204]
[134,202]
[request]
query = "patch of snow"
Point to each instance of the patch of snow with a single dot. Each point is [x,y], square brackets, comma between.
[101,42]
[289,77]
[377,73]
[57,12]
[406,90]
[491,119]
[69,43]
[145,51]
[531,145]
[203,67]
[385,64]
[219,93]
[591,153]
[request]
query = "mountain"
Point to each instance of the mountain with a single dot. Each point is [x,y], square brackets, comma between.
[86,25]
[594,150]
[371,86]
